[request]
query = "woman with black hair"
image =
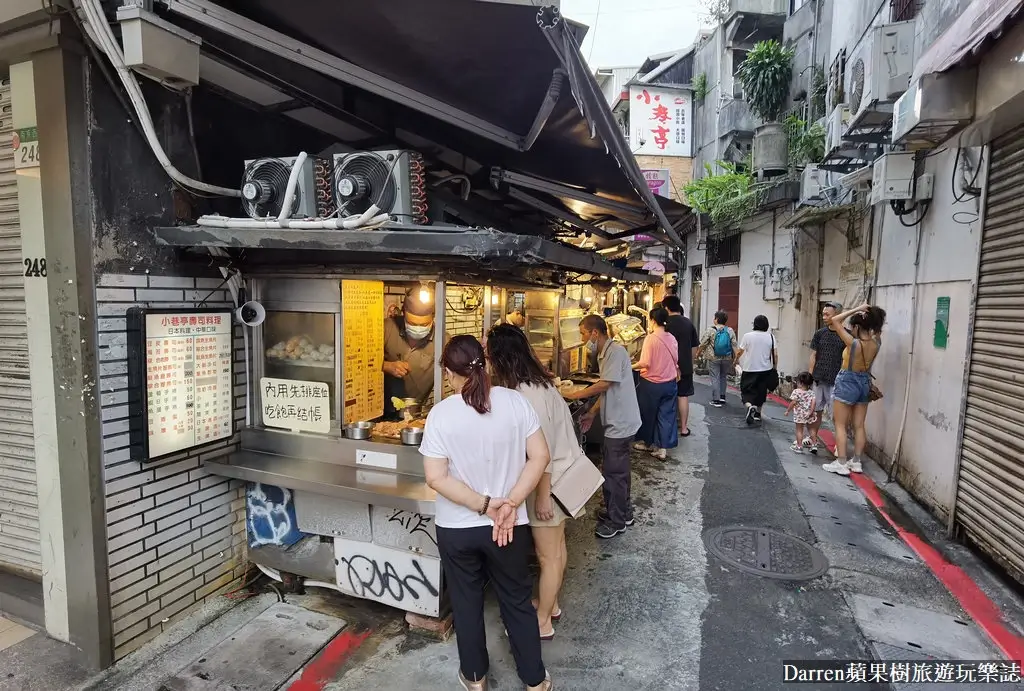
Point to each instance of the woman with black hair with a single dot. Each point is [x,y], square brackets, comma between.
[853,383]
[515,366]
[483,453]
[656,391]
[758,358]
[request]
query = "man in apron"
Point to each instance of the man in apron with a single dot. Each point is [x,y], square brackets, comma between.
[409,352]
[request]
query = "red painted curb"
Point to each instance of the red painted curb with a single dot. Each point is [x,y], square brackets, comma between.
[324,666]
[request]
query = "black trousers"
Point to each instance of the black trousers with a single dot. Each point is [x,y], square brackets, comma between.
[469,557]
[615,466]
[754,387]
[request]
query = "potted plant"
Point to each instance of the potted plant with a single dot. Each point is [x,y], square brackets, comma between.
[765,75]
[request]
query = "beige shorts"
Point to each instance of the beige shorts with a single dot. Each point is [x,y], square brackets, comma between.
[559,517]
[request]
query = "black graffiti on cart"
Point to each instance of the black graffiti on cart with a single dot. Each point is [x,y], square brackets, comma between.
[368,578]
[413,523]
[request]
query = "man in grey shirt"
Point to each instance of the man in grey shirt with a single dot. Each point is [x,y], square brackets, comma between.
[620,415]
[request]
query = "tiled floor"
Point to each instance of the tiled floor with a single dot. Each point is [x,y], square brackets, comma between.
[11,633]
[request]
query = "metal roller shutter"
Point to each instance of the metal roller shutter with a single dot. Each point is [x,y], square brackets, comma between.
[990,493]
[19,504]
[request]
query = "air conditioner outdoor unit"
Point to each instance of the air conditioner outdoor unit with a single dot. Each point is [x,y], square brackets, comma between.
[892,177]
[878,73]
[265,181]
[934,108]
[392,180]
[835,128]
[811,184]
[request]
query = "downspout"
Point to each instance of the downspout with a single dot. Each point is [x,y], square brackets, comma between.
[894,466]
[814,60]
[546,107]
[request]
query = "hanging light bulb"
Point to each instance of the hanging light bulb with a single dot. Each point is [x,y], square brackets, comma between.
[424,294]
[494,299]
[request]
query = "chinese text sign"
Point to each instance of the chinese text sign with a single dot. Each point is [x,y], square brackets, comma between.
[660,121]
[300,406]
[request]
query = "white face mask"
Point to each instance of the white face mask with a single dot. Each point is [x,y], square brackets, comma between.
[417,333]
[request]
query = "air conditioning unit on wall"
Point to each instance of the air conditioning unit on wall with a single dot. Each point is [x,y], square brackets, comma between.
[878,72]
[835,128]
[811,183]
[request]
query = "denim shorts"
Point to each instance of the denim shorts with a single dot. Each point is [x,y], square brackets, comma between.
[852,388]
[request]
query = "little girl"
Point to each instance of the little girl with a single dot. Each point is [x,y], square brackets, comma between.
[801,404]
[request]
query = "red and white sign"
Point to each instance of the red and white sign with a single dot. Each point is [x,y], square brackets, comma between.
[659,181]
[660,121]
[655,268]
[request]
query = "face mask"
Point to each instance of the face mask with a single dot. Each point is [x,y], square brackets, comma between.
[417,333]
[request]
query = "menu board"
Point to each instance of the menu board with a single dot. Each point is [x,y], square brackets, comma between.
[362,317]
[181,367]
[299,406]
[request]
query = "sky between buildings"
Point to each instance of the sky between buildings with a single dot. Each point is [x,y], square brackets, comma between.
[624,32]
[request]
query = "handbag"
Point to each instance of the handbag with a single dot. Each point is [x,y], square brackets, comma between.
[576,486]
[773,376]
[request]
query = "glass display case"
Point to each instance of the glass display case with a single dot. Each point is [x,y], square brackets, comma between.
[629,331]
[300,346]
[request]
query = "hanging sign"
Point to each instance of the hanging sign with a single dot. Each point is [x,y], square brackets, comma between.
[660,121]
[655,268]
[300,406]
[181,371]
[658,181]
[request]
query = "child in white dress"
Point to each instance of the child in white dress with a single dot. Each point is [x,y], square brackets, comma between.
[801,404]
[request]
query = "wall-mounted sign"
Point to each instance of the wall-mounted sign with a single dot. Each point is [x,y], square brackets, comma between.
[25,143]
[299,406]
[362,318]
[660,121]
[654,268]
[941,337]
[658,181]
[181,375]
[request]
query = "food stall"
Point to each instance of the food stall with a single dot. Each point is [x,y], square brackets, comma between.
[552,327]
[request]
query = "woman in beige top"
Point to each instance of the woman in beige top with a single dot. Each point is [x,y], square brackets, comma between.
[515,366]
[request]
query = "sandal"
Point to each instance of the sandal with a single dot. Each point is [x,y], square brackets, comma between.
[555,616]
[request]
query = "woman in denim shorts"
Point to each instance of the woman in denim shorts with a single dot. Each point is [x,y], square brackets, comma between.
[853,384]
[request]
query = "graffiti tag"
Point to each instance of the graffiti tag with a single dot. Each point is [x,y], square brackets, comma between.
[414,523]
[368,578]
[270,516]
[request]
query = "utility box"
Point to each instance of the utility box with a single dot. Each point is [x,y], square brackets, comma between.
[158,49]
[892,177]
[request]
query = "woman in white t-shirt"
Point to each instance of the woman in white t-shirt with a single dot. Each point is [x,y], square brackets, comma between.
[758,358]
[515,366]
[483,453]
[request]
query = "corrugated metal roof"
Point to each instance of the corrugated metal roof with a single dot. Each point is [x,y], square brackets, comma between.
[983,21]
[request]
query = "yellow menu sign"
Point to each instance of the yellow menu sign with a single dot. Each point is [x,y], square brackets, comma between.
[362,314]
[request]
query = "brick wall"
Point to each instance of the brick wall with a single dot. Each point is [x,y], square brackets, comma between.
[680,171]
[175,534]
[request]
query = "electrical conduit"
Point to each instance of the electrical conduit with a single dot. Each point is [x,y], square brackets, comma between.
[289,194]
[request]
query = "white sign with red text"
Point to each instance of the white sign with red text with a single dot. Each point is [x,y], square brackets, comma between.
[660,121]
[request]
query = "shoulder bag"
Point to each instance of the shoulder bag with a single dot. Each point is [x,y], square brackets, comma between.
[679,372]
[577,485]
[773,376]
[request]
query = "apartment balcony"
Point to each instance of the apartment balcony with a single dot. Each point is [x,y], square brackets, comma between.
[751,21]
[759,7]
[736,118]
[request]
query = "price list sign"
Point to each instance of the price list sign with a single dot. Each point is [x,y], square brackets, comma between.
[181,366]
[362,307]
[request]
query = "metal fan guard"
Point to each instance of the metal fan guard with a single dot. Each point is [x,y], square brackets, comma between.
[377,172]
[279,172]
[857,88]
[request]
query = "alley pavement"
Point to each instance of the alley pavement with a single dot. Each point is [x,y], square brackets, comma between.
[655,608]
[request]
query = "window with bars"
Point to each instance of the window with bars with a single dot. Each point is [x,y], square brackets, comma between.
[904,10]
[723,251]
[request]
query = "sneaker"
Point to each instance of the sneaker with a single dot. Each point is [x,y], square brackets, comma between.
[717,404]
[472,685]
[605,531]
[660,454]
[602,517]
[807,443]
[837,467]
[751,411]
[813,448]
[757,413]
[855,466]
[796,447]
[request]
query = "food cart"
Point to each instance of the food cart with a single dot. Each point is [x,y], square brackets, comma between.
[552,327]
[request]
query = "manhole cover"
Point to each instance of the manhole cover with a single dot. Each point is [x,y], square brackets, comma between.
[766,552]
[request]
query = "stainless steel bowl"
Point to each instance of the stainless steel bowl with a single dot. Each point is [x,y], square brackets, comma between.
[358,430]
[412,436]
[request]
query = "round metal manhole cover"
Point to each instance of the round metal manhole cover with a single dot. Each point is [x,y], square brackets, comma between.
[766,552]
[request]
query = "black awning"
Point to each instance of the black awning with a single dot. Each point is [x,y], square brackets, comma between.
[447,248]
[490,60]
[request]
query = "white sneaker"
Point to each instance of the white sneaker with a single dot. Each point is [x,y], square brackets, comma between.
[795,447]
[807,442]
[855,466]
[836,467]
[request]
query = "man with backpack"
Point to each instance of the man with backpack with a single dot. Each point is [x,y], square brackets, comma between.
[719,346]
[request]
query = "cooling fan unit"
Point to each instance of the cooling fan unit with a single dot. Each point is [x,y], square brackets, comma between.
[393,181]
[265,182]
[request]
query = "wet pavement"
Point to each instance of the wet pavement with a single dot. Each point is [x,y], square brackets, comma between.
[654,609]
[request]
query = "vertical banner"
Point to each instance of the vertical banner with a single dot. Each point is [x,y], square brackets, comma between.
[362,309]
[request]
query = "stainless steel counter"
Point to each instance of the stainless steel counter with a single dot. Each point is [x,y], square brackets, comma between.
[376,471]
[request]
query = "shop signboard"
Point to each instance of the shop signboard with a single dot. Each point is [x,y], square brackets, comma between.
[660,121]
[180,380]
[298,406]
[658,181]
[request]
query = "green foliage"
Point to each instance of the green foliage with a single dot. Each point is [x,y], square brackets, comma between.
[765,76]
[806,143]
[728,197]
[700,86]
[819,87]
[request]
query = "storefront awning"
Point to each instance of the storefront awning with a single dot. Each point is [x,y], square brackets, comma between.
[446,248]
[983,21]
[493,85]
